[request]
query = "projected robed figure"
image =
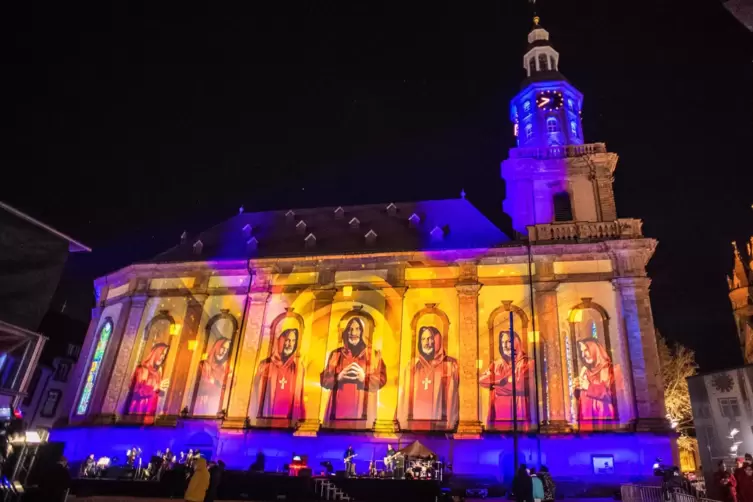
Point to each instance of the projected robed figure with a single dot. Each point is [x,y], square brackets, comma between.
[352,372]
[593,388]
[430,391]
[498,378]
[279,379]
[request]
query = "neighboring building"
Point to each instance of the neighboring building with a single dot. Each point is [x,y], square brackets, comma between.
[722,404]
[42,406]
[741,295]
[33,256]
[310,329]
[742,10]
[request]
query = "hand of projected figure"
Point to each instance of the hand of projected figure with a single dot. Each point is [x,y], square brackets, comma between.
[347,373]
[584,383]
[358,373]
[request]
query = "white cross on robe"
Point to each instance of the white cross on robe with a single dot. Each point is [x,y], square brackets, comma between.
[426,383]
[283,382]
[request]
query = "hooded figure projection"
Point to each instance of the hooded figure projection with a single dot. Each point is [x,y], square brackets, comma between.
[212,375]
[593,389]
[279,380]
[147,384]
[430,388]
[498,378]
[351,373]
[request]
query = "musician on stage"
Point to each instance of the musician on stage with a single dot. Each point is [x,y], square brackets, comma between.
[350,466]
[88,468]
[389,460]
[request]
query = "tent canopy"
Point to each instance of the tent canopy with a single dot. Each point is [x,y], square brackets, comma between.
[417,450]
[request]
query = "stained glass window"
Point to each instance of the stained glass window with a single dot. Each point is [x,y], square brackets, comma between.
[99,352]
[594,332]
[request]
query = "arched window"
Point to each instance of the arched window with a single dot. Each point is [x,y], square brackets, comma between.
[527,106]
[532,66]
[594,381]
[105,332]
[571,104]
[551,63]
[552,125]
[574,128]
[563,210]
[543,62]
[215,364]
[529,131]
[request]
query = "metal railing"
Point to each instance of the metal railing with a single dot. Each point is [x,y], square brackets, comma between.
[638,493]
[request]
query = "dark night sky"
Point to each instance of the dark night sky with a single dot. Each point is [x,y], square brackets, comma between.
[125,125]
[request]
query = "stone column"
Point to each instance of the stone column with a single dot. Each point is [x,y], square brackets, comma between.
[319,331]
[120,379]
[243,376]
[191,331]
[76,383]
[638,324]
[394,316]
[554,393]
[470,425]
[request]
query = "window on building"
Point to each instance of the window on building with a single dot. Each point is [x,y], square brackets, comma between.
[551,63]
[61,372]
[563,210]
[51,403]
[729,407]
[532,66]
[543,62]
[574,128]
[571,104]
[527,106]
[529,131]
[552,125]
[105,332]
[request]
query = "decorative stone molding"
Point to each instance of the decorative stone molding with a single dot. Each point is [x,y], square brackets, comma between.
[629,258]
[558,152]
[624,228]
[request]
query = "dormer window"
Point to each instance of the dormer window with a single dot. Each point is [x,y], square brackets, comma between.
[529,131]
[552,125]
[527,106]
[543,62]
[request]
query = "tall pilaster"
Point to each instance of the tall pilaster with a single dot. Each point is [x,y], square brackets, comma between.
[117,391]
[394,315]
[470,425]
[644,355]
[191,331]
[256,306]
[555,419]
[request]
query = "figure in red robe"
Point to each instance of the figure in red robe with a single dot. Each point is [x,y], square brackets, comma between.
[498,378]
[430,382]
[279,380]
[212,376]
[593,390]
[352,374]
[147,384]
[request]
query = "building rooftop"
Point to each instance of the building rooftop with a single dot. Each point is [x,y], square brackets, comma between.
[372,228]
[73,245]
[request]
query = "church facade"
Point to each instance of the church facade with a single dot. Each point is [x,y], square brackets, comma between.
[307,330]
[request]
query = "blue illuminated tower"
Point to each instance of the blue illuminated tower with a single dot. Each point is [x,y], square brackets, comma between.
[553,176]
[546,112]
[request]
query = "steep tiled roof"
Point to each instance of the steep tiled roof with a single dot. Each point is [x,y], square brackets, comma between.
[438,224]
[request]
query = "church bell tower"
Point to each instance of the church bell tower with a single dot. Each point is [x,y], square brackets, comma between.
[553,175]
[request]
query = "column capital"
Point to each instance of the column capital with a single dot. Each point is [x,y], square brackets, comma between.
[259,297]
[546,286]
[324,295]
[468,289]
[628,284]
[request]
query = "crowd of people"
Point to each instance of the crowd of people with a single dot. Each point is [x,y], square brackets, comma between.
[737,485]
[531,486]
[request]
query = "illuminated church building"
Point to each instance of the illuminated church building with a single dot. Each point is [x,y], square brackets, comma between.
[306,330]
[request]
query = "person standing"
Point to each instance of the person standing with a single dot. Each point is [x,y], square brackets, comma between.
[745,484]
[215,478]
[350,466]
[522,486]
[549,486]
[538,486]
[199,483]
[57,482]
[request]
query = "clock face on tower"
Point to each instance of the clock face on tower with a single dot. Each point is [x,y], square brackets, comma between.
[549,100]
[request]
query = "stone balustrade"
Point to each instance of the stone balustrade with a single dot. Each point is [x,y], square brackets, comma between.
[558,152]
[624,228]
